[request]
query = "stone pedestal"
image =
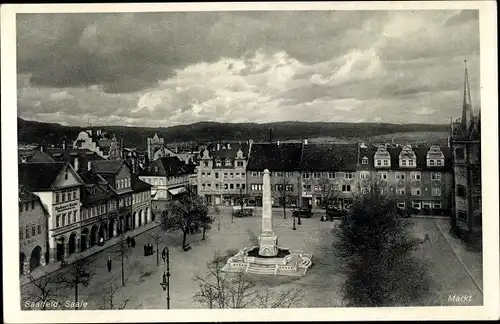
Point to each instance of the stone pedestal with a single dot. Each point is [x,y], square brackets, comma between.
[268,245]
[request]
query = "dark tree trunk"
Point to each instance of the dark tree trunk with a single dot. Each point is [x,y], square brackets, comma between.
[157,255]
[203,237]
[184,235]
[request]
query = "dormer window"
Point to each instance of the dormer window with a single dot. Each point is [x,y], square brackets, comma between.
[435,156]
[364,160]
[382,157]
[403,162]
[410,162]
[379,162]
[386,162]
[218,163]
[228,162]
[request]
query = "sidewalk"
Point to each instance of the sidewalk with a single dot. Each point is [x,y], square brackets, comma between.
[53,267]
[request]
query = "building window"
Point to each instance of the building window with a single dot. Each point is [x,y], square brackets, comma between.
[256,187]
[316,175]
[331,175]
[57,197]
[237,186]
[415,191]
[400,176]
[239,163]
[63,196]
[415,175]
[460,191]
[63,219]
[205,164]
[436,176]
[216,175]
[21,234]
[459,153]
[382,175]
[400,191]
[218,163]
[231,186]
[33,230]
[209,185]
[462,215]
[242,186]
[203,186]
[436,205]
[415,204]
[403,162]
[317,188]
[346,188]
[426,205]
[410,162]
[348,175]
[231,175]
[379,162]
[364,160]
[58,218]
[438,162]
[226,186]
[431,162]
[386,162]
[306,175]
[216,186]
[307,187]
[27,232]
[74,216]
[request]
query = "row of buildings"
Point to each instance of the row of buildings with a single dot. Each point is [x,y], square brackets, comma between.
[419,177]
[71,199]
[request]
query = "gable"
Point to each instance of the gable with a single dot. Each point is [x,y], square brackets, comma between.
[66,178]
[124,172]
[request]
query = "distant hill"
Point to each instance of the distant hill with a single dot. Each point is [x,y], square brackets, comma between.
[51,133]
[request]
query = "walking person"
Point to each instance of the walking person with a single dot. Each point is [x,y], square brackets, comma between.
[109,264]
[132,242]
[128,241]
[145,250]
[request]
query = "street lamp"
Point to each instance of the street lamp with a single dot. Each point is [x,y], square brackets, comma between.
[165,284]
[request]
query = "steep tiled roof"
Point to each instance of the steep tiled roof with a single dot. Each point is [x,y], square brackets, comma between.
[39,176]
[84,156]
[329,157]
[285,157]
[107,166]
[165,167]
[139,185]
[34,156]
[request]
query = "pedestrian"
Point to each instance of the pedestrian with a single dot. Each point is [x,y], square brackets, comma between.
[150,248]
[109,264]
[101,241]
[132,242]
[128,241]
[145,250]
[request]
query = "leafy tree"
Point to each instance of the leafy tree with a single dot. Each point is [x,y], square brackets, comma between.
[186,213]
[375,241]
[79,272]
[220,289]
[285,194]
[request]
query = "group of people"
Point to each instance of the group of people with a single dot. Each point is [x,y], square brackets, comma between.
[130,241]
[148,249]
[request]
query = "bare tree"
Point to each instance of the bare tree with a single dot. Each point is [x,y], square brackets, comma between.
[329,193]
[122,252]
[284,193]
[217,211]
[43,292]
[108,301]
[79,272]
[157,237]
[235,290]
[241,200]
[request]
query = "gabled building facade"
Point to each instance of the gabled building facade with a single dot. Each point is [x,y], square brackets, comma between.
[221,173]
[58,186]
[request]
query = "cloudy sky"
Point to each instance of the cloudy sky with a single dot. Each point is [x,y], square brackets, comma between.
[163,69]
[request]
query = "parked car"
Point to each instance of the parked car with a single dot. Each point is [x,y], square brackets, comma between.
[302,212]
[246,211]
[334,212]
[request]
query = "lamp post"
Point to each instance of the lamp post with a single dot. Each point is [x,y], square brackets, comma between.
[165,284]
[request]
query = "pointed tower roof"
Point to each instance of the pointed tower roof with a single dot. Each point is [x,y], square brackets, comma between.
[467,116]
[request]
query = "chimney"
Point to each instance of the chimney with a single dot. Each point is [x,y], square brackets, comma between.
[76,164]
[218,146]
[228,146]
[305,141]
[64,144]
[278,143]
[89,165]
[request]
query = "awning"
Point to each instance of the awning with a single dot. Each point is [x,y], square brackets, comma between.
[177,191]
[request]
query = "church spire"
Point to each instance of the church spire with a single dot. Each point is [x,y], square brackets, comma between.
[467,109]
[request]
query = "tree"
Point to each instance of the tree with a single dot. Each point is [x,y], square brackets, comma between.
[184,214]
[122,252]
[108,299]
[220,289]
[285,194]
[157,238]
[329,196]
[79,272]
[375,241]
[205,221]
[43,292]
[241,200]
[217,211]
